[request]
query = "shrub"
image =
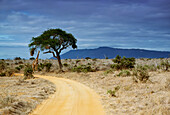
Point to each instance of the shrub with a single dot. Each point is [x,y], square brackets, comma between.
[140,73]
[123,63]
[21,66]
[106,57]
[77,61]
[20,62]
[2,74]
[40,67]
[28,72]
[32,58]
[95,59]
[65,65]
[2,66]
[165,65]
[150,67]
[48,66]
[18,68]
[17,58]
[87,58]
[113,92]
[124,73]
[9,72]
[108,71]
[82,68]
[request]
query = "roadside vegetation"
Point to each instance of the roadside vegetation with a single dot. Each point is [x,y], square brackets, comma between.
[109,75]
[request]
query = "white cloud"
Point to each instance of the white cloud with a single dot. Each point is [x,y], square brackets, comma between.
[13,44]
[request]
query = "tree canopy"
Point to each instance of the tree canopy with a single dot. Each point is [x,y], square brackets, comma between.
[53,41]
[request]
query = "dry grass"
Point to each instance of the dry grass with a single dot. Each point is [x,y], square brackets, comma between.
[150,98]
[19,96]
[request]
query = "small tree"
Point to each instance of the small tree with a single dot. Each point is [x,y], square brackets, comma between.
[53,41]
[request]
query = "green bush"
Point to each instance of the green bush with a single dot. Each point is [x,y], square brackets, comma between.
[2,66]
[21,66]
[65,65]
[18,68]
[40,67]
[113,92]
[150,67]
[2,74]
[77,61]
[48,66]
[28,72]
[108,71]
[165,65]
[140,73]
[95,59]
[17,58]
[87,58]
[9,72]
[82,68]
[123,63]
[32,58]
[124,73]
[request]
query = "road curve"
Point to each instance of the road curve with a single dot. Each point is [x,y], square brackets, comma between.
[70,98]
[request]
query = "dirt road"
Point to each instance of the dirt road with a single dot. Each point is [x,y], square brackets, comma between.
[70,98]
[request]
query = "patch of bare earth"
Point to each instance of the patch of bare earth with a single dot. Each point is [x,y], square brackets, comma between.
[151,98]
[20,97]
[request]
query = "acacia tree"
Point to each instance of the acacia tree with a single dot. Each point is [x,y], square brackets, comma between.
[53,41]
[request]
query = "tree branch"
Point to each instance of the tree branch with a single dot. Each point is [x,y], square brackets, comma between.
[50,52]
[64,47]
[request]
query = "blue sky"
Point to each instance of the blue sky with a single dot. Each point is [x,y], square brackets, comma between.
[139,24]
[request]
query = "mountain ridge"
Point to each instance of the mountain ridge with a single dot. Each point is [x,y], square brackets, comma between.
[103,52]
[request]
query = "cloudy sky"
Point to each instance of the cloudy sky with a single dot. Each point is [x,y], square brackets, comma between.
[139,24]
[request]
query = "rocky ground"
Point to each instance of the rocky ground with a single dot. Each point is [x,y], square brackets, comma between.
[20,97]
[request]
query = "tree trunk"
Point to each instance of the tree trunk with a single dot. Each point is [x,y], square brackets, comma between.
[59,61]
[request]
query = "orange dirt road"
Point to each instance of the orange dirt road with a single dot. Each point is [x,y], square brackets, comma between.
[70,98]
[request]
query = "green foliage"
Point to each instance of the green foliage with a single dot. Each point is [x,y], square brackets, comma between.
[65,65]
[2,74]
[20,62]
[48,66]
[140,73]
[2,65]
[28,72]
[124,73]
[41,67]
[77,61]
[150,67]
[87,58]
[18,68]
[53,41]
[95,59]
[83,68]
[108,71]
[9,72]
[17,58]
[113,92]
[32,58]
[21,66]
[123,63]
[106,57]
[165,65]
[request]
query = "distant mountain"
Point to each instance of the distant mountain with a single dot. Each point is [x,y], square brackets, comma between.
[109,52]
